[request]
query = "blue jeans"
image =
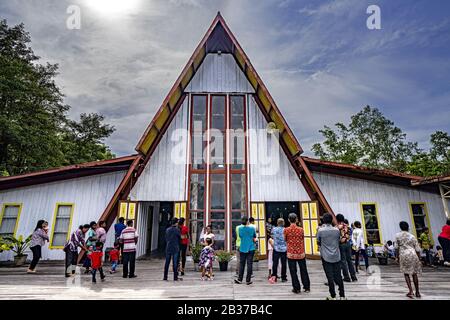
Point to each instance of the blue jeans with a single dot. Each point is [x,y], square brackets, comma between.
[114,265]
[174,257]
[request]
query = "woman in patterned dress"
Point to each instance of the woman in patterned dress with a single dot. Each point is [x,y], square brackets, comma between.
[407,252]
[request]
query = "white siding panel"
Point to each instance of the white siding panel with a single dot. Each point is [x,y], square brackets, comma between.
[90,196]
[163,178]
[219,73]
[345,196]
[266,184]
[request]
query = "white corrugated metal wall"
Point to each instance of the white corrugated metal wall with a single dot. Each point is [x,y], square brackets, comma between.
[345,196]
[164,176]
[90,196]
[272,179]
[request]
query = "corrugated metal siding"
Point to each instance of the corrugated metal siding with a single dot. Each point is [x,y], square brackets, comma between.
[219,73]
[90,196]
[265,185]
[162,178]
[142,229]
[346,194]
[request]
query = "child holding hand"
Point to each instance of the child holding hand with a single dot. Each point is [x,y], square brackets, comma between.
[114,257]
[96,261]
[206,260]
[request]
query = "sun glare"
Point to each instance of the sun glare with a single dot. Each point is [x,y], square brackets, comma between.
[114,7]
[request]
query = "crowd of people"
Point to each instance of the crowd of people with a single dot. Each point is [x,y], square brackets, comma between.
[342,249]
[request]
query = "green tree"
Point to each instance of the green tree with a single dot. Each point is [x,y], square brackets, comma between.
[33,116]
[369,140]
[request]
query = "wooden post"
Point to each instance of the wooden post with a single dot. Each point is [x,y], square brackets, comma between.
[445,195]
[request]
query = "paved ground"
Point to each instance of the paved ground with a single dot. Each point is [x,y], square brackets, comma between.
[49,283]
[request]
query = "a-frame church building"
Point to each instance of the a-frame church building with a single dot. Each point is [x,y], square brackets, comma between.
[217,149]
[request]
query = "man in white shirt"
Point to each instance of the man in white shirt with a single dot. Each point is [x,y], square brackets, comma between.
[129,238]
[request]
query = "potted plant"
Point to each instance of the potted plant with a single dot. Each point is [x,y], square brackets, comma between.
[383,257]
[223,257]
[4,245]
[19,246]
[195,253]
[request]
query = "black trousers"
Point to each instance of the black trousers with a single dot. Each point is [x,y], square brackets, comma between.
[276,257]
[183,249]
[174,258]
[445,244]
[346,261]
[37,254]
[366,258]
[94,273]
[303,274]
[129,262]
[333,273]
[246,257]
[71,260]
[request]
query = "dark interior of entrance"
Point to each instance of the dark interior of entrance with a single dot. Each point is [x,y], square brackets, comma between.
[276,210]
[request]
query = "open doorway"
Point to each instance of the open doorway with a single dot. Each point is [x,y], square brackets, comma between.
[276,210]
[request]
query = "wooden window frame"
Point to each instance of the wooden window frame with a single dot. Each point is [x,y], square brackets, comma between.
[12,204]
[362,204]
[58,204]
[427,216]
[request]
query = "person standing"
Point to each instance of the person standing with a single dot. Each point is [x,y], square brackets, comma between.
[295,241]
[184,231]
[346,250]
[71,248]
[238,244]
[129,238]
[444,241]
[328,238]
[426,243]
[279,252]
[96,258]
[173,239]
[246,251]
[90,244]
[101,232]
[408,255]
[38,239]
[359,245]
[118,228]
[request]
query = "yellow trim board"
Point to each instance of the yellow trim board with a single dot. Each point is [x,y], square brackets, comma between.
[58,204]
[378,221]
[427,217]
[12,204]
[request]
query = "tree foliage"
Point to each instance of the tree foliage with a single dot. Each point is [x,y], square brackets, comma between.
[372,140]
[35,131]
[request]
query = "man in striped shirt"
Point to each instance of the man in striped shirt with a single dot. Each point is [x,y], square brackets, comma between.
[129,239]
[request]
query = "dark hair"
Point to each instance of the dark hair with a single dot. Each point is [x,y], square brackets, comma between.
[85,226]
[101,222]
[129,223]
[389,242]
[292,217]
[448,222]
[357,224]
[244,220]
[340,217]
[39,224]
[181,221]
[116,244]
[327,218]
[93,223]
[208,241]
[425,229]
[404,226]
[98,245]
[122,219]
[251,219]
[345,221]
[174,221]
[438,248]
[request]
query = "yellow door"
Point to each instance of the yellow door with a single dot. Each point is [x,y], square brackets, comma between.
[310,222]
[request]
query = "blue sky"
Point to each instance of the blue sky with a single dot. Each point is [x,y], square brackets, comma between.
[317,58]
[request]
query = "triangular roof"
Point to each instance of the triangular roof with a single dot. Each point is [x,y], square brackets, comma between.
[218,38]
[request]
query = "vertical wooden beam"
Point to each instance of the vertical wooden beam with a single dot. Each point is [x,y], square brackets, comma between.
[445,195]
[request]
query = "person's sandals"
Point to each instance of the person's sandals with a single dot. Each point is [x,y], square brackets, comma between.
[410,295]
[418,295]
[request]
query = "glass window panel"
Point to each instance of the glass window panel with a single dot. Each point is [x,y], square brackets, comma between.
[199,113]
[237,112]
[62,225]
[419,217]
[59,239]
[9,220]
[238,191]
[218,112]
[11,212]
[237,215]
[195,229]
[373,236]
[370,217]
[217,215]
[198,147]
[217,191]
[197,192]
[237,149]
[217,149]
[218,228]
